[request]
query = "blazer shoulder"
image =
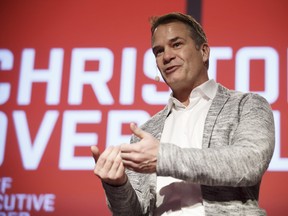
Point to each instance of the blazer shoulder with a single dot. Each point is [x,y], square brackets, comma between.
[242,96]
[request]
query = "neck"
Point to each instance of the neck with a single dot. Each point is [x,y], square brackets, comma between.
[183,94]
[183,97]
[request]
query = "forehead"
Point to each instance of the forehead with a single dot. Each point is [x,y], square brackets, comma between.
[169,31]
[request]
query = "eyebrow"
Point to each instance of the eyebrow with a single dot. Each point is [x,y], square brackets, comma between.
[174,39]
[170,41]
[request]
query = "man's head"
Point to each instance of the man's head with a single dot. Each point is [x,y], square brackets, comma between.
[181,51]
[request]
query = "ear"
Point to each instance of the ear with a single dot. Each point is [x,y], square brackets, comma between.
[205,50]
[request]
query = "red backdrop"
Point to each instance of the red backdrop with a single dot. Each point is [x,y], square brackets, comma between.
[75,73]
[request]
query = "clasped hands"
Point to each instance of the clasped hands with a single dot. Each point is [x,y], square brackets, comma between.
[140,157]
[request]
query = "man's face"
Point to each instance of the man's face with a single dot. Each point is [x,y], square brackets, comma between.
[180,63]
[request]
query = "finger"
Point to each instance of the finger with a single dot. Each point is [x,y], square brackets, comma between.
[102,158]
[130,164]
[95,153]
[110,159]
[129,148]
[134,157]
[117,175]
[138,131]
[120,170]
[142,167]
[116,164]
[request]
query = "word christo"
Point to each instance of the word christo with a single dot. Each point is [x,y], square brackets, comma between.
[32,152]
[98,79]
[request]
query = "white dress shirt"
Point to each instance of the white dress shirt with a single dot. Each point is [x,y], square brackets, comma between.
[184,128]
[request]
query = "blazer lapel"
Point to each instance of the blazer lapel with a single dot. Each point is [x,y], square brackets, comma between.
[156,124]
[218,102]
[157,131]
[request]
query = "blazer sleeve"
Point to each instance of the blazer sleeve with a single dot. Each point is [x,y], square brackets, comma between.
[122,200]
[239,151]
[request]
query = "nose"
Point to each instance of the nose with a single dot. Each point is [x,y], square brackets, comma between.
[168,55]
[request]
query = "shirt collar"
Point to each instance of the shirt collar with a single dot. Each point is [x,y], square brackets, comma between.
[206,90]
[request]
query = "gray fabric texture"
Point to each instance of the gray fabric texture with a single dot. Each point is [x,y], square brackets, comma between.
[238,143]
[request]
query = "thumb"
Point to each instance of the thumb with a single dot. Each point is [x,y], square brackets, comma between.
[95,153]
[138,131]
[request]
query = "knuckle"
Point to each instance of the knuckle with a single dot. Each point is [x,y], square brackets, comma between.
[103,175]
[111,176]
[118,161]
[137,158]
[101,160]
[137,148]
[109,160]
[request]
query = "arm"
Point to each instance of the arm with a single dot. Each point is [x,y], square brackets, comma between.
[121,197]
[122,200]
[241,161]
[241,147]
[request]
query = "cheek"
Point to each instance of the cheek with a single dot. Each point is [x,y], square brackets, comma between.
[189,65]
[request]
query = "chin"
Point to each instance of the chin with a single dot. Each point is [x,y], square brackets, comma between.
[174,84]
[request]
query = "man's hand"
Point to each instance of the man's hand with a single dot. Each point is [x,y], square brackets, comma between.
[109,167]
[142,156]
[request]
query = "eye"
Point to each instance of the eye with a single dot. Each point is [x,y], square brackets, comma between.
[157,52]
[177,44]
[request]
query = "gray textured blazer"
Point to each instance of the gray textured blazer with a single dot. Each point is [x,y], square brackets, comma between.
[238,143]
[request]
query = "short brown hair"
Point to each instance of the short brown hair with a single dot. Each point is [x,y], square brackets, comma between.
[197,33]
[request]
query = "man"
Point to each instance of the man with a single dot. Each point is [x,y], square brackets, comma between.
[203,154]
